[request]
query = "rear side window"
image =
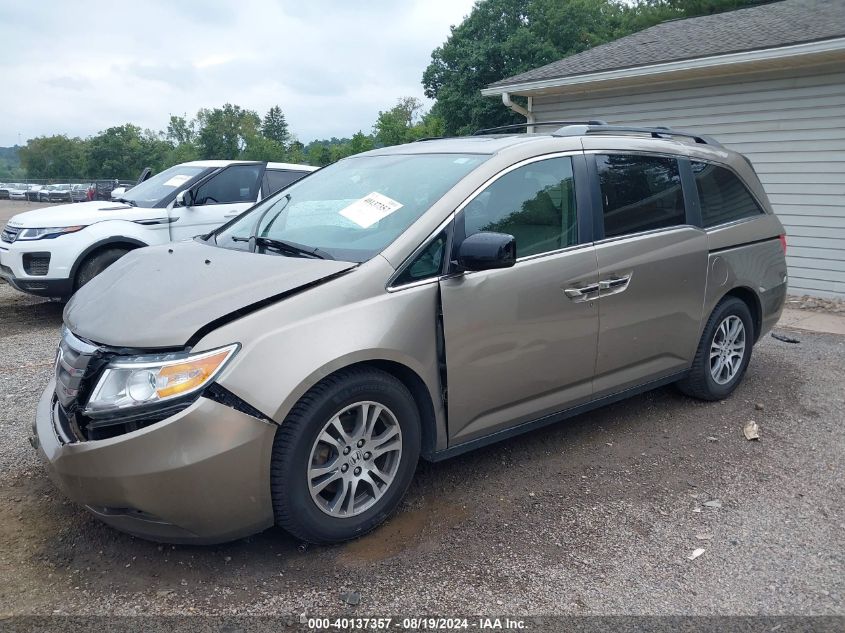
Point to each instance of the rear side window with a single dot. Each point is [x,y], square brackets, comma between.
[535,203]
[723,196]
[279,179]
[238,183]
[639,193]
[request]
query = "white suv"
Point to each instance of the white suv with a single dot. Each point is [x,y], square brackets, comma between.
[53,251]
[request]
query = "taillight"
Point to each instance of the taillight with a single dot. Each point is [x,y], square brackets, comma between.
[783,243]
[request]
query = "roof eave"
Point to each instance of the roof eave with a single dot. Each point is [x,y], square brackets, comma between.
[653,70]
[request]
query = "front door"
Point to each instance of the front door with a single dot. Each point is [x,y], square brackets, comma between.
[652,272]
[217,199]
[521,342]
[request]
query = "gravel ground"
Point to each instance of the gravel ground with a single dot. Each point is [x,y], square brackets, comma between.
[596,515]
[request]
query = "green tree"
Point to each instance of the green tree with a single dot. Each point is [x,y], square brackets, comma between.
[223,132]
[319,155]
[502,38]
[430,126]
[275,127]
[183,153]
[259,147]
[296,153]
[393,126]
[360,143]
[125,150]
[54,157]
[180,130]
[10,164]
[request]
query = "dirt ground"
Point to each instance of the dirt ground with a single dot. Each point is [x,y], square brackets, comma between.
[597,515]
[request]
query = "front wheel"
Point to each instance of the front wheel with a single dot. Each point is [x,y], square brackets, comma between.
[723,352]
[344,456]
[97,263]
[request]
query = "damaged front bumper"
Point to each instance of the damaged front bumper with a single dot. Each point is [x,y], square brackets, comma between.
[200,476]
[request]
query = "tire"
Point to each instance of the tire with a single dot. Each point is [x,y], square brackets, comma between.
[97,263]
[296,451]
[701,382]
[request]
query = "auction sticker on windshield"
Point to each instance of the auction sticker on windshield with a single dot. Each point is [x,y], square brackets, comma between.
[177,180]
[370,209]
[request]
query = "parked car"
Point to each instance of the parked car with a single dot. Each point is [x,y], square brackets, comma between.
[33,191]
[118,191]
[44,192]
[79,192]
[60,193]
[18,191]
[52,251]
[291,366]
[4,191]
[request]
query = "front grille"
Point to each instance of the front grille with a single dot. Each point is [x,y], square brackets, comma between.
[36,263]
[73,369]
[9,234]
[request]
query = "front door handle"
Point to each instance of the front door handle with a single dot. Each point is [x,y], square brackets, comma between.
[580,294]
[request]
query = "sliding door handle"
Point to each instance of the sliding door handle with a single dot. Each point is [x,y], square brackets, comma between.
[608,284]
[581,293]
[615,284]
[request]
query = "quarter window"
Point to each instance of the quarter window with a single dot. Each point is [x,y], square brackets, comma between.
[722,195]
[238,183]
[535,203]
[639,193]
[427,264]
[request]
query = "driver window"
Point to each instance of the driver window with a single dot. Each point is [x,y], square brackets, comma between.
[238,183]
[535,203]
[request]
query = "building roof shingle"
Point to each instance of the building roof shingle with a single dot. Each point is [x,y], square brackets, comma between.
[754,28]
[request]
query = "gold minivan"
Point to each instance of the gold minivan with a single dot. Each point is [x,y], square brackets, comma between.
[292,366]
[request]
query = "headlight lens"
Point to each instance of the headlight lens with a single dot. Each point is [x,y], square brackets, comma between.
[145,380]
[47,233]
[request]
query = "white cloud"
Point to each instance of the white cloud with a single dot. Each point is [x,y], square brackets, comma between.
[77,68]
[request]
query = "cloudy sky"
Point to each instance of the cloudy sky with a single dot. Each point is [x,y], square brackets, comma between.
[78,67]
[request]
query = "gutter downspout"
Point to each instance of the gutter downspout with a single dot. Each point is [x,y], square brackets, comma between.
[529,116]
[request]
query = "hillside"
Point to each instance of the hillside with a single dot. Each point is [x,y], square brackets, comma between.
[10,163]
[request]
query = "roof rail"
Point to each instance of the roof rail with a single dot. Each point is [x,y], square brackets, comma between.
[516,126]
[653,132]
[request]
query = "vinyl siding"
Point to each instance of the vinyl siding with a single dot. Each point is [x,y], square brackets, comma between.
[791,126]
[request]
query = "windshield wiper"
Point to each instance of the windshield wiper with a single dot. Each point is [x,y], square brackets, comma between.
[291,248]
[253,237]
[131,203]
[283,246]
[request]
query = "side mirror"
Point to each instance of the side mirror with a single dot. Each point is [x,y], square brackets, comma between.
[185,198]
[487,251]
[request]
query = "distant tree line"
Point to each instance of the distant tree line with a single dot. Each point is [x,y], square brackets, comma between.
[499,39]
[227,132]
[10,164]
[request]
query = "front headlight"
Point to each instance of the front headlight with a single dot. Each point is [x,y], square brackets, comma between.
[145,380]
[47,233]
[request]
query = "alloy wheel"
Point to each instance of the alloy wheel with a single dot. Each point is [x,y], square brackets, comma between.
[354,459]
[727,350]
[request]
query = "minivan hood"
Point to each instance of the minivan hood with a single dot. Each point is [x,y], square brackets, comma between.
[161,296]
[84,213]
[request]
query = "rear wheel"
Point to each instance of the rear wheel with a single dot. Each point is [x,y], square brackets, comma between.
[345,455]
[97,263]
[723,352]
